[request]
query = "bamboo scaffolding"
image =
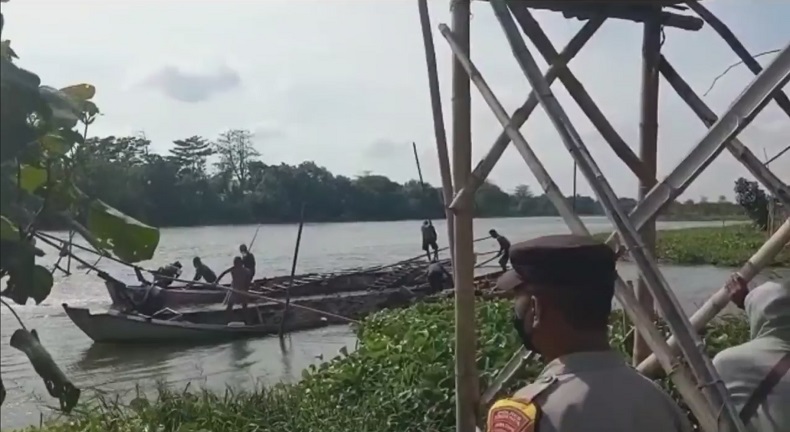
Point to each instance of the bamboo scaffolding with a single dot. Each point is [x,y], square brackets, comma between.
[521,115]
[438,122]
[679,373]
[729,37]
[466,379]
[677,321]
[694,376]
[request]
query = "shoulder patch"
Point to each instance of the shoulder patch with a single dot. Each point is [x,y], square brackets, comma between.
[508,415]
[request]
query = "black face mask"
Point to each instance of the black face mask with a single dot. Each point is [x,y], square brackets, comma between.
[525,336]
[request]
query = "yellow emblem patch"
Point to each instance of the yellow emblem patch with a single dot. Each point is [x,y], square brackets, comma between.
[509,415]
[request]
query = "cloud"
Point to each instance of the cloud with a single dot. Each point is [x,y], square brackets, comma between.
[192,87]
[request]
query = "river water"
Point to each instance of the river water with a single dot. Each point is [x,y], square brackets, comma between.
[325,247]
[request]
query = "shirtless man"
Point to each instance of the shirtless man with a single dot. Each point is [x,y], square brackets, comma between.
[241,279]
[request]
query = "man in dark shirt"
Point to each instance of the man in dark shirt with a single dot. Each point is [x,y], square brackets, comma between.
[429,240]
[504,248]
[437,276]
[203,271]
[164,275]
[247,259]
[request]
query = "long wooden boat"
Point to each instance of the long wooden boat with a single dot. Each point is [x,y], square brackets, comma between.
[178,296]
[213,323]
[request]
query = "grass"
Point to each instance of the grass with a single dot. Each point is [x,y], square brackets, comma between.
[399,380]
[728,246]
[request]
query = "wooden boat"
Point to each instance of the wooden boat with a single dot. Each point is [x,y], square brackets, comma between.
[178,296]
[214,323]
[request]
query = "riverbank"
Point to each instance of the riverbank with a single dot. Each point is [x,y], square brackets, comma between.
[403,366]
[723,246]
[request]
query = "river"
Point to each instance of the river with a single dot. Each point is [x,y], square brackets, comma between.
[325,247]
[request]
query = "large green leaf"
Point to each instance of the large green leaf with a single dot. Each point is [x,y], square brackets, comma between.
[7,230]
[128,238]
[80,92]
[65,110]
[27,280]
[55,144]
[32,178]
[56,382]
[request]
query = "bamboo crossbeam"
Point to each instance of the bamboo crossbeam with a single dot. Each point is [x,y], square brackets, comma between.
[466,379]
[718,301]
[729,37]
[521,115]
[679,373]
[529,25]
[759,170]
[677,321]
[438,120]
[615,9]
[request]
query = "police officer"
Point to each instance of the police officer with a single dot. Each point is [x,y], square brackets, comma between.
[563,287]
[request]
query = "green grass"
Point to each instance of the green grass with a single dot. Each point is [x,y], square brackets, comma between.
[399,380]
[728,246]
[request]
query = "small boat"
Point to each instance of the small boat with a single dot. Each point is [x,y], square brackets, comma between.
[177,296]
[214,323]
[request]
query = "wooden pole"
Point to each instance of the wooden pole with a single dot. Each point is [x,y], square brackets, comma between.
[729,37]
[466,380]
[293,272]
[648,131]
[721,298]
[438,121]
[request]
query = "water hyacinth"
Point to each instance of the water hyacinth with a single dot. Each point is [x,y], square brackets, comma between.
[400,379]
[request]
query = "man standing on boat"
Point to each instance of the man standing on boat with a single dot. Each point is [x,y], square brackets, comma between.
[241,278]
[563,315]
[247,259]
[429,238]
[202,271]
[504,248]
[437,276]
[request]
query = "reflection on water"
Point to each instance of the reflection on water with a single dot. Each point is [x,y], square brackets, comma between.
[118,369]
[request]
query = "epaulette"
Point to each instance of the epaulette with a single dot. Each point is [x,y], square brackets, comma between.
[530,392]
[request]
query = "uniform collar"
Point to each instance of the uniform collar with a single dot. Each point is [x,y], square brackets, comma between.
[583,362]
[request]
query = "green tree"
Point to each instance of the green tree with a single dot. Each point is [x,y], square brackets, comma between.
[236,151]
[191,154]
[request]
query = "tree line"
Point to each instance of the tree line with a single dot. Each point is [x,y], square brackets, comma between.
[182,187]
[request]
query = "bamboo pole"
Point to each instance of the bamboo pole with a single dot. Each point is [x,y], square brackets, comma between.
[758,169]
[680,374]
[520,116]
[678,322]
[648,131]
[729,37]
[719,300]
[438,121]
[530,26]
[466,379]
[293,271]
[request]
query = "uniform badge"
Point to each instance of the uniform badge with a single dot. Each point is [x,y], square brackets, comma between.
[509,415]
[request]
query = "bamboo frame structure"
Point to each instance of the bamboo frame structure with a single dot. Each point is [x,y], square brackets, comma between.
[692,372]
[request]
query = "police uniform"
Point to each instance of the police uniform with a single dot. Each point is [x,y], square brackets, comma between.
[593,391]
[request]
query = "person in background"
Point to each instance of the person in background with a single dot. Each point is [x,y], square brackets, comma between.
[756,372]
[203,272]
[247,259]
[586,386]
[163,276]
[429,240]
[437,276]
[504,248]
[240,283]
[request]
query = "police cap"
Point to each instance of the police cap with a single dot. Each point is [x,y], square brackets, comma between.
[568,261]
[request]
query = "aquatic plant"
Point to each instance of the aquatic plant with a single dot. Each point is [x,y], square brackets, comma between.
[400,379]
[726,246]
[38,141]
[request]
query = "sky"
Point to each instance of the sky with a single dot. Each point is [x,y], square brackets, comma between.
[343,82]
